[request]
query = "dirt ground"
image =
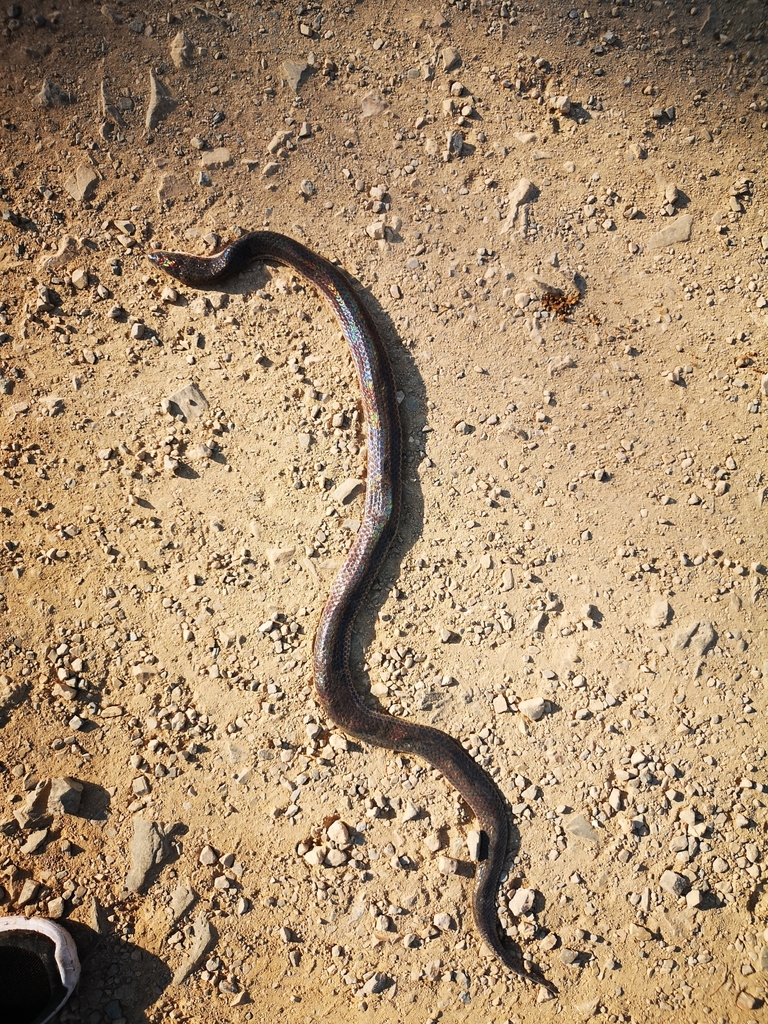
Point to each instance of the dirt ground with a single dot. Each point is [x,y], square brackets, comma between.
[557,217]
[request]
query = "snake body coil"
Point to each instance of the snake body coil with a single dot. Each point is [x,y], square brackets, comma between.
[333,679]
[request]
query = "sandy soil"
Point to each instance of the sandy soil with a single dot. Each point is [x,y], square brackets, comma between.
[557,218]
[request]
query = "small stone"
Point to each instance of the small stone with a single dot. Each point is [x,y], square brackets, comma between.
[203,939]
[64,796]
[82,184]
[659,614]
[450,58]
[215,159]
[375,230]
[704,638]
[568,956]
[745,1001]
[377,983]
[454,143]
[500,704]
[28,894]
[475,844]
[534,708]
[55,908]
[560,104]
[316,856]
[335,858]
[160,104]
[188,402]
[683,636]
[433,842]
[579,826]
[410,812]
[208,856]
[146,851]
[443,921]
[183,898]
[678,230]
[346,490]
[79,278]
[694,898]
[338,833]
[181,50]
[52,95]
[296,73]
[447,865]
[373,103]
[140,786]
[673,883]
[522,901]
[35,840]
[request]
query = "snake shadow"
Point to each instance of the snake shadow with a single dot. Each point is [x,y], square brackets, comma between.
[413,418]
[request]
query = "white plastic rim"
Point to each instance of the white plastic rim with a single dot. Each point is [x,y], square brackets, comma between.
[65,950]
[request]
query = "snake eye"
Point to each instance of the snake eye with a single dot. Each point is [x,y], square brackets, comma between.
[163,260]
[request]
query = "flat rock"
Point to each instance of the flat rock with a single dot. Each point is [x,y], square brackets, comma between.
[33,806]
[146,850]
[181,50]
[279,557]
[173,186]
[82,184]
[704,638]
[373,103]
[161,103]
[475,844]
[579,826]
[52,95]
[683,635]
[34,841]
[215,159]
[188,402]
[28,894]
[107,108]
[525,192]
[184,897]
[64,796]
[678,230]
[296,73]
[451,58]
[346,490]
[659,613]
[68,250]
[203,940]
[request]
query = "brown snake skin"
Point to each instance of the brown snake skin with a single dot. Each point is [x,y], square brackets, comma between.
[333,680]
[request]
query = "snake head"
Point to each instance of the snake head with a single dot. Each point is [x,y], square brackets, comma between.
[167,261]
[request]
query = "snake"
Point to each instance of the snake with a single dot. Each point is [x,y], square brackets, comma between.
[333,679]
